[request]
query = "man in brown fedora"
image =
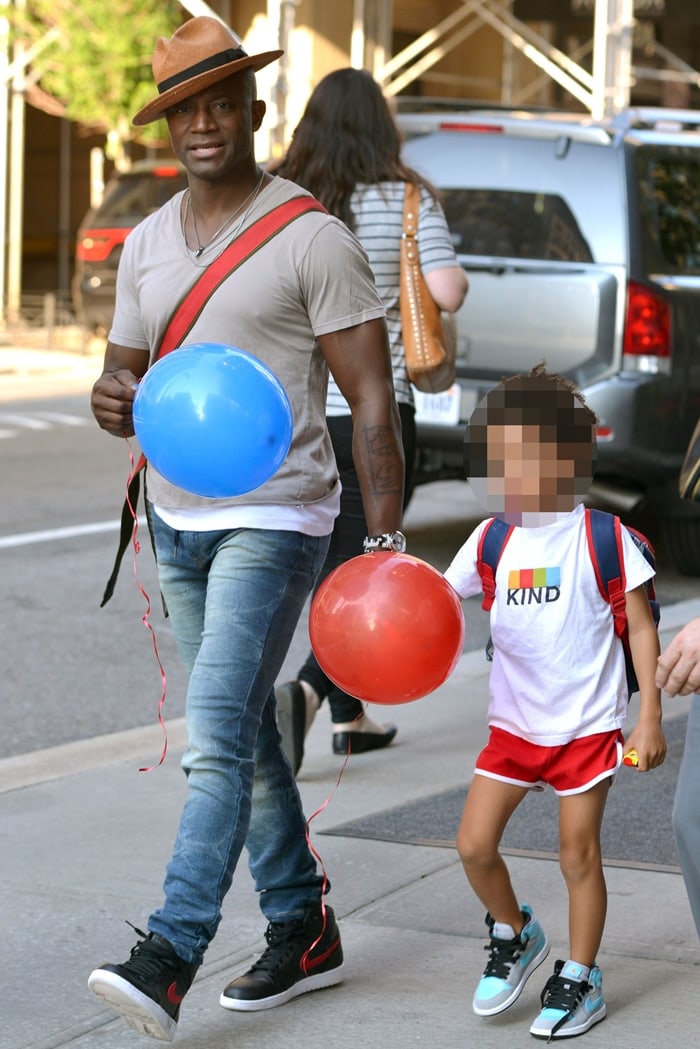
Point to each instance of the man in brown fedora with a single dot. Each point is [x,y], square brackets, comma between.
[252,261]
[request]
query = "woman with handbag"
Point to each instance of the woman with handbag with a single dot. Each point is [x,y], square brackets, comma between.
[346,151]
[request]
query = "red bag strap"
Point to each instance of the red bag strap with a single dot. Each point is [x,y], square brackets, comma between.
[185,315]
[237,252]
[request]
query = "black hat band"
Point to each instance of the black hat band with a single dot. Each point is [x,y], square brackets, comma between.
[220,59]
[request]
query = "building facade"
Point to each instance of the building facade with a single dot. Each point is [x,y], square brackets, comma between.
[523,52]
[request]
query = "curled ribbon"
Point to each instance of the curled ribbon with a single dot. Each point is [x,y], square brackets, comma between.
[146,617]
[304,962]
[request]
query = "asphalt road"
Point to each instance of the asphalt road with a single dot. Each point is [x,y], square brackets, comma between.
[70,670]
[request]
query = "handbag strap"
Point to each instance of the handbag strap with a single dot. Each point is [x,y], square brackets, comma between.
[183,319]
[410,224]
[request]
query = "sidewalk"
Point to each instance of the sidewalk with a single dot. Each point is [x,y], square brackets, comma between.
[74,359]
[85,838]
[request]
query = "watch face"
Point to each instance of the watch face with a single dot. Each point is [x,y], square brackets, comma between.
[394,541]
[398,542]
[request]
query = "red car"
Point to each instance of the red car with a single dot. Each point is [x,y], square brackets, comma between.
[128,198]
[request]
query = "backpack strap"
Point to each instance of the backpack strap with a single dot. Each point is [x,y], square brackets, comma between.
[492,540]
[183,319]
[647,550]
[605,547]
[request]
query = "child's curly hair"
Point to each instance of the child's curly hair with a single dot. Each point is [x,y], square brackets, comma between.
[540,398]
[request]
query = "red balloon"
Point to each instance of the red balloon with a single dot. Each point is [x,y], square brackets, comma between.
[386,627]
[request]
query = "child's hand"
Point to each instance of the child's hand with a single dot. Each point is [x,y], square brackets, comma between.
[649,746]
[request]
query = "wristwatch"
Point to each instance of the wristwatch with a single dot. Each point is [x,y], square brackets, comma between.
[395,541]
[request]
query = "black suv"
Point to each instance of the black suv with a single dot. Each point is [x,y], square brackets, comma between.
[129,197]
[581,239]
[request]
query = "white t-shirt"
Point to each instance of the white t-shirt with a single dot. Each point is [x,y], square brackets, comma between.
[558,668]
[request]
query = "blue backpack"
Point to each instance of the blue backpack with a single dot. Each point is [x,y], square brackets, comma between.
[605,547]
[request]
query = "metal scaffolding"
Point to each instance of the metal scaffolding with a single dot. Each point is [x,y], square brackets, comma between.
[603,91]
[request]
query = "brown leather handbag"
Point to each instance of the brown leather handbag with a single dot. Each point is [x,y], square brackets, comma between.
[429,338]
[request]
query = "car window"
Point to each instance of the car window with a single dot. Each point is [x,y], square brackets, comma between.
[669,190]
[514,224]
[132,199]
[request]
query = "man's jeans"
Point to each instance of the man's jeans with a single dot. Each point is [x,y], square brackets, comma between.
[234,600]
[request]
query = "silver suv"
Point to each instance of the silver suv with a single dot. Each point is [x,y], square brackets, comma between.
[581,240]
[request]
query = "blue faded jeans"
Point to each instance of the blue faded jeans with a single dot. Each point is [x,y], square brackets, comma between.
[686,810]
[234,599]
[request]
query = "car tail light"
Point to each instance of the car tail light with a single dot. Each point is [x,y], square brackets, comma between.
[167,171]
[481,129]
[647,338]
[96,245]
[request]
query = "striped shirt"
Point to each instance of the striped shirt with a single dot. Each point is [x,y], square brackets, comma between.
[378,212]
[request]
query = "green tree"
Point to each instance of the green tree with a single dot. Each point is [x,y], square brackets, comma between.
[99,66]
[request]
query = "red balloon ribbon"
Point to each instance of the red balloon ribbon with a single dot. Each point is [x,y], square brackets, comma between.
[146,617]
[304,962]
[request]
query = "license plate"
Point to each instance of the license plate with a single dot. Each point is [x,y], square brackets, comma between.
[440,408]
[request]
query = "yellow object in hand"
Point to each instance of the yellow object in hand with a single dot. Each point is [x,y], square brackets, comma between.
[631,758]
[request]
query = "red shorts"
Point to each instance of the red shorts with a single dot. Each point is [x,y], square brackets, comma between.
[571,768]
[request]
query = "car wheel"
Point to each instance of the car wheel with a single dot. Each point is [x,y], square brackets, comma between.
[681,538]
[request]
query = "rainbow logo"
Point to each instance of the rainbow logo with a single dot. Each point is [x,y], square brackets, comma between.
[533,578]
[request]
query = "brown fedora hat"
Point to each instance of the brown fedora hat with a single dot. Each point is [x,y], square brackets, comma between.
[201,52]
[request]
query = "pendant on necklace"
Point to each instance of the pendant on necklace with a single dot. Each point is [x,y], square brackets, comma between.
[198,252]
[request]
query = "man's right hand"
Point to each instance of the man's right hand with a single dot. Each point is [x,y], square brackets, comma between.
[678,670]
[112,402]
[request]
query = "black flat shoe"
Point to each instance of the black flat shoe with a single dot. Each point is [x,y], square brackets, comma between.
[291,721]
[361,742]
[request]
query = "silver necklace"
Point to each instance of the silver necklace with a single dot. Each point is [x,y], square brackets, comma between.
[247,203]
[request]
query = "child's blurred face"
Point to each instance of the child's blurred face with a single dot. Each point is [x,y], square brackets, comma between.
[529,466]
[527,474]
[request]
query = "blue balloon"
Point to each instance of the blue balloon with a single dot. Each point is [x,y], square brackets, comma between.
[213,420]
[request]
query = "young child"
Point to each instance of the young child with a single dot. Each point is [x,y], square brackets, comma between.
[558,694]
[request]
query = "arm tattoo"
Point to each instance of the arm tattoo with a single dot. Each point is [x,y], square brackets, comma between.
[385,468]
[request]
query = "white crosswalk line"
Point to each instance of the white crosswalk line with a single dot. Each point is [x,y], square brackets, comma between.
[64,419]
[8,542]
[12,423]
[26,422]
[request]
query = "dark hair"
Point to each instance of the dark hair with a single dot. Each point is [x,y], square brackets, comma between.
[251,83]
[541,398]
[346,135]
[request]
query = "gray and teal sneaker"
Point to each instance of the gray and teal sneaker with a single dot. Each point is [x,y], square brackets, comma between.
[570,1004]
[511,960]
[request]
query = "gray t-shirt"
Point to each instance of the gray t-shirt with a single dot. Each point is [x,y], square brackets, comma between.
[312,278]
